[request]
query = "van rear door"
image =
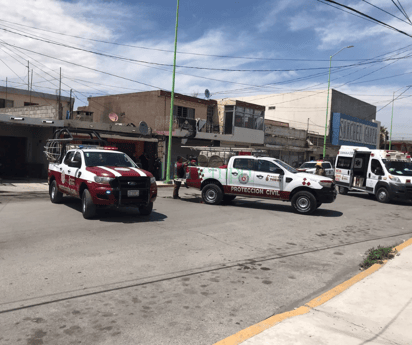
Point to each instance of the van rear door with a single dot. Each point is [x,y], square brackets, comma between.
[343,174]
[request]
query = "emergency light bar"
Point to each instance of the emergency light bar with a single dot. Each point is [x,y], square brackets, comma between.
[17,118]
[109,148]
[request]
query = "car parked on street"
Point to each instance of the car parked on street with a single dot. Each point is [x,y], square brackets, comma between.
[310,168]
[261,177]
[99,175]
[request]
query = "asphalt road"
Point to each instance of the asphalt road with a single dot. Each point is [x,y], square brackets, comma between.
[188,274]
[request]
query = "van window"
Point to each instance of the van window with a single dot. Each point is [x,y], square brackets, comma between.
[344,162]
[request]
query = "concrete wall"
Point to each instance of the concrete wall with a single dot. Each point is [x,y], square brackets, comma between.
[306,110]
[275,135]
[151,107]
[19,96]
[35,111]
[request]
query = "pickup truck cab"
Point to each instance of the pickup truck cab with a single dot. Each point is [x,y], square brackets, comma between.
[261,177]
[385,174]
[101,177]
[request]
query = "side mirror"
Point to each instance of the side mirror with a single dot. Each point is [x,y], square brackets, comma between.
[279,171]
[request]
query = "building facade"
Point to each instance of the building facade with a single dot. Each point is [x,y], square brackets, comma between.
[348,120]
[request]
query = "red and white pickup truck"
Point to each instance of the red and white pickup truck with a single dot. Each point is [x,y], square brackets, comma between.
[100,177]
[261,177]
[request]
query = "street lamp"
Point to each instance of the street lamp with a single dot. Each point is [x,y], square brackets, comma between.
[327,101]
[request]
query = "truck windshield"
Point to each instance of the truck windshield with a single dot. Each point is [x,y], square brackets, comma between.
[398,167]
[308,165]
[108,159]
[286,166]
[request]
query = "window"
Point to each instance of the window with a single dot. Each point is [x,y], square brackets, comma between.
[326,166]
[179,111]
[27,104]
[272,108]
[68,158]
[244,164]
[77,157]
[344,162]
[269,167]
[6,103]
[249,118]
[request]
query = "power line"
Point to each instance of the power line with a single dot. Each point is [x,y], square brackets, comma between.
[187,67]
[369,17]
[381,9]
[171,51]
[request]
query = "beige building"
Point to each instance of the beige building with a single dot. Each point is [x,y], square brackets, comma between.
[306,111]
[21,146]
[199,122]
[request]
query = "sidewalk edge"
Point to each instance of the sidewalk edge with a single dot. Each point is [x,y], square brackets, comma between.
[253,330]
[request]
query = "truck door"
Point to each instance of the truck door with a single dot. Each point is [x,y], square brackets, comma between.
[375,173]
[72,173]
[64,172]
[269,176]
[242,173]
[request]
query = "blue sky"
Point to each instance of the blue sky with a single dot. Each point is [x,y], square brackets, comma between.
[297,36]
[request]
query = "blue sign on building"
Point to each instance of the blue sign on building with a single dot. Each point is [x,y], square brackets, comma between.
[348,130]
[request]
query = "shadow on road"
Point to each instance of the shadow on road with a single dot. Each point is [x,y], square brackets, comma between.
[264,205]
[122,215]
[367,196]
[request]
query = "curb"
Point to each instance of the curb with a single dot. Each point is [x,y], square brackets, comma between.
[253,330]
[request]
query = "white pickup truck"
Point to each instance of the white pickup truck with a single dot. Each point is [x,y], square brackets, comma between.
[261,177]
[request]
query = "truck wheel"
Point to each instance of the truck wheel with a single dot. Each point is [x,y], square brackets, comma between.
[146,210]
[56,196]
[88,208]
[229,198]
[212,194]
[382,195]
[343,190]
[304,202]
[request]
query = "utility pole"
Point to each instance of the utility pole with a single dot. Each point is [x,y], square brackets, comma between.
[60,92]
[390,135]
[169,151]
[6,90]
[31,84]
[71,104]
[28,75]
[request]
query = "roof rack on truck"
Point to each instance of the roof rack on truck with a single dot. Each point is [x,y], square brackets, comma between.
[214,157]
[64,138]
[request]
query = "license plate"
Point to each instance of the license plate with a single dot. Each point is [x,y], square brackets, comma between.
[132,193]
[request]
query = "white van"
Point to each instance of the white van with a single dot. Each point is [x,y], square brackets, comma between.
[385,174]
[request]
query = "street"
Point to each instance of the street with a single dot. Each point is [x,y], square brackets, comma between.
[190,273]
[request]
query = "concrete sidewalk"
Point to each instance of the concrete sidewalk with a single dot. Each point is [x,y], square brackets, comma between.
[374,307]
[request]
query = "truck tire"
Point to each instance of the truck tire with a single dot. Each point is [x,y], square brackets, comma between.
[319,204]
[343,190]
[382,195]
[304,202]
[229,198]
[212,194]
[146,210]
[88,208]
[56,196]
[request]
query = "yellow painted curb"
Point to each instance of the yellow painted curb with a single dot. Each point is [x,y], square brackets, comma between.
[253,330]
